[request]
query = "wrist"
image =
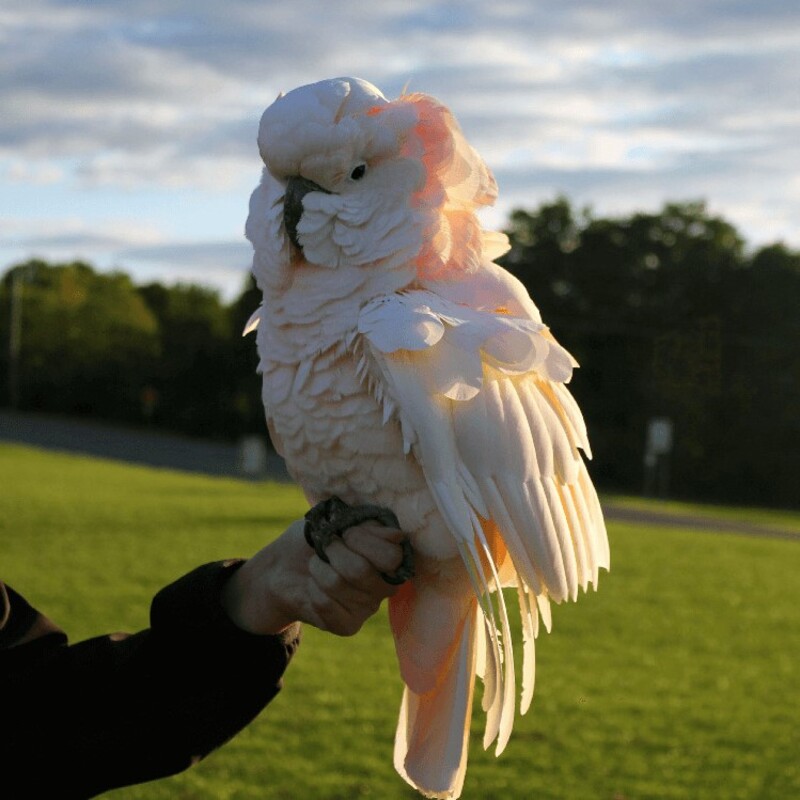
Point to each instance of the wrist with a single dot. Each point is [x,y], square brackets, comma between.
[249,600]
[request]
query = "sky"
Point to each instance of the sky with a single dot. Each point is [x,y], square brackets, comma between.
[127,130]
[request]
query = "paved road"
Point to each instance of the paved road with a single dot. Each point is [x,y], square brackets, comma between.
[710,524]
[140,446]
[157,449]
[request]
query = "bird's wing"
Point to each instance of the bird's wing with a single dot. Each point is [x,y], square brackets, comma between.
[483,406]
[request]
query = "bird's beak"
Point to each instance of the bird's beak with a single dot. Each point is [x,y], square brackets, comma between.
[297,188]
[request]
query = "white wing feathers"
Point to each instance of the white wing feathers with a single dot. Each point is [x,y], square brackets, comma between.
[481,400]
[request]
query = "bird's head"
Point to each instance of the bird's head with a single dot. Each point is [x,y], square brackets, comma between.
[359,180]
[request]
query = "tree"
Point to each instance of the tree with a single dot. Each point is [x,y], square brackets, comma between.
[87,339]
[191,380]
[669,317]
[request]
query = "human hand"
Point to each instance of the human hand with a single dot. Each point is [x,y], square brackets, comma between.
[286,582]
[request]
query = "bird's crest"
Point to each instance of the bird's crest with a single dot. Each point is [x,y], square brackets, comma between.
[457,183]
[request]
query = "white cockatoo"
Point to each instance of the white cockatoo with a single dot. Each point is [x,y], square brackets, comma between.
[402,367]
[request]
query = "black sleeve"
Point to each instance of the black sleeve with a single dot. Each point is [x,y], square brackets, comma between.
[79,720]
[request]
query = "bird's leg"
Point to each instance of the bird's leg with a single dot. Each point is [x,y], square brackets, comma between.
[332,517]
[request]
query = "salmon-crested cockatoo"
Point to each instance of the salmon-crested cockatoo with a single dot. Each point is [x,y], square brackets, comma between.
[403,368]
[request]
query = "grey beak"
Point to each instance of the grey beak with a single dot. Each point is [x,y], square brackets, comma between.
[297,188]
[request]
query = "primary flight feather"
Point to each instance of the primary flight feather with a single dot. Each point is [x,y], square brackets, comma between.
[402,367]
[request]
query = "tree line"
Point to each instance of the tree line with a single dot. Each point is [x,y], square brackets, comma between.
[668,313]
[93,343]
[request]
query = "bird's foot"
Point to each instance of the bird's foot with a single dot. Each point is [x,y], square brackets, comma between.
[332,517]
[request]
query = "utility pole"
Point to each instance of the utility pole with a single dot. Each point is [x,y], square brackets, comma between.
[15,338]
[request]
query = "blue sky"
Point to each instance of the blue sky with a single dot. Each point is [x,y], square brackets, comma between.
[128,129]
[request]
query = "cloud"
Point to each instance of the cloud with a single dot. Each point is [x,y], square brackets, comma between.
[197,255]
[142,251]
[614,103]
[70,233]
[38,174]
[75,242]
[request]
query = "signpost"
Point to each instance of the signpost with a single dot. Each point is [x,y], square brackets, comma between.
[658,447]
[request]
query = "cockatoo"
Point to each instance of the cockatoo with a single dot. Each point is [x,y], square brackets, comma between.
[402,367]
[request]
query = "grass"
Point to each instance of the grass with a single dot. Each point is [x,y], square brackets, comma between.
[677,679]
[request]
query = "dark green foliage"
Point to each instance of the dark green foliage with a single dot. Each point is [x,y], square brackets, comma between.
[243,359]
[669,316]
[93,343]
[87,340]
[205,381]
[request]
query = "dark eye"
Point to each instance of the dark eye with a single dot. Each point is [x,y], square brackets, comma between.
[358,173]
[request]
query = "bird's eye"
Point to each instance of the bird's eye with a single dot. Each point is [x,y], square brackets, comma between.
[358,173]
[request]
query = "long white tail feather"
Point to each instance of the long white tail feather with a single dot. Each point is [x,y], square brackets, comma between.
[543,601]
[558,520]
[505,718]
[529,630]
[495,691]
[522,550]
[570,408]
[576,537]
[579,504]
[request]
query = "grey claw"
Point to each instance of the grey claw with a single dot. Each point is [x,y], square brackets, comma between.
[321,527]
[406,569]
[332,517]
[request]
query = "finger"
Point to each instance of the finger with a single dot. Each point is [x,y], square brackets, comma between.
[381,531]
[356,570]
[380,546]
[347,605]
[331,615]
[366,592]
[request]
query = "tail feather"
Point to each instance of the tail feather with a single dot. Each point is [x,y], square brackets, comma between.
[431,743]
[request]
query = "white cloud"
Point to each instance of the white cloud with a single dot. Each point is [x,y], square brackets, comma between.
[69,232]
[164,167]
[198,255]
[38,173]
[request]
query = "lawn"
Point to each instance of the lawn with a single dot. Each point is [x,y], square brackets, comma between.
[677,679]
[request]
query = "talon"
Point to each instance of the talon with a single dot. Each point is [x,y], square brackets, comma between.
[332,517]
[320,527]
[406,569]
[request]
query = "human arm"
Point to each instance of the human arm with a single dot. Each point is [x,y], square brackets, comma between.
[116,710]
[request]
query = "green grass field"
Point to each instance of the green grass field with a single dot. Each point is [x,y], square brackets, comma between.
[678,679]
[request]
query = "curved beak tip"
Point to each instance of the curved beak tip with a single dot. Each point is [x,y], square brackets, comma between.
[297,187]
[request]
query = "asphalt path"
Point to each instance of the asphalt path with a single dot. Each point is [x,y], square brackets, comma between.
[157,449]
[705,523]
[135,445]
